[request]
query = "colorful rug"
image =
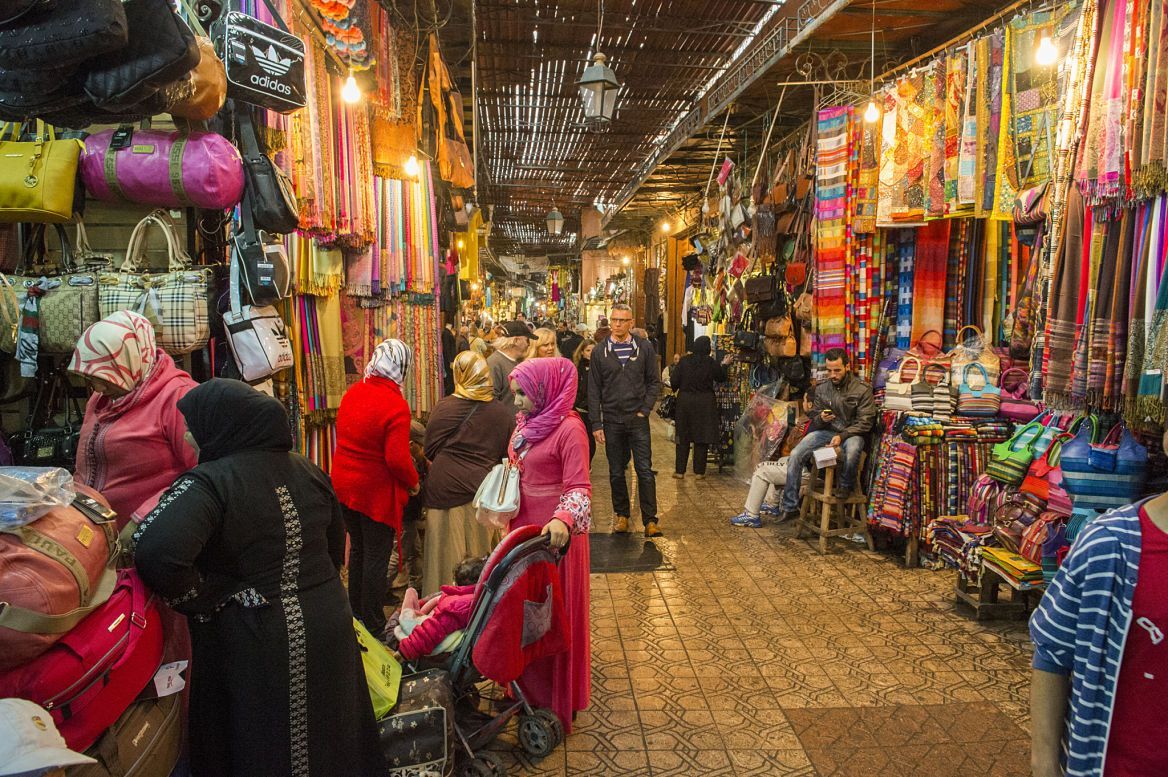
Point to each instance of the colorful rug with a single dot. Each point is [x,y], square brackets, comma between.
[929,282]
[831,275]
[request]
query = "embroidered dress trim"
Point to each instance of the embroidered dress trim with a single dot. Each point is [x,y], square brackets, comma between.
[297,644]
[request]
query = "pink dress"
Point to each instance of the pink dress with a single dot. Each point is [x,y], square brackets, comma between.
[555,484]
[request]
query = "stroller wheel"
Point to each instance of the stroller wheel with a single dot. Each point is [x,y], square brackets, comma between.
[540,733]
[483,765]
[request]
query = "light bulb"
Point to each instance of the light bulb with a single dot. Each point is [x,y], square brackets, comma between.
[351,93]
[625,261]
[412,167]
[871,113]
[665,227]
[1047,52]
[461,244]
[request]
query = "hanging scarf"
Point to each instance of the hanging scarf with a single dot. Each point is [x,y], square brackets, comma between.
[1062,322]
[935,86]
[1106,246]
[1152,175]
[28,336]
[390,360]
[1100,172]
[967,149]
[1118,330]
[956,77]
[472,377]
[1137,332]
[1150,404]
[928,304]
[550,384]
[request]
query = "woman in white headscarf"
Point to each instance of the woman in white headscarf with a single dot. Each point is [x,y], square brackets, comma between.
[373,475]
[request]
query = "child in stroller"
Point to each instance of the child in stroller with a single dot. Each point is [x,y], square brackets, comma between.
[434,625]
[516,616]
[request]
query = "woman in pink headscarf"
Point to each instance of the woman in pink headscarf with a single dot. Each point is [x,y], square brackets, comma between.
[555,492]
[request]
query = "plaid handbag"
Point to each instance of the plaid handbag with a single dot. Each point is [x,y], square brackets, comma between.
[175,301]
[983,401]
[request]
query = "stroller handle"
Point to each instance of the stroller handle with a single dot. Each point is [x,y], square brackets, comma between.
[524,549]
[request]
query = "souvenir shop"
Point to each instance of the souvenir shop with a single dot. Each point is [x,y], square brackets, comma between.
[984,236]
[270,196]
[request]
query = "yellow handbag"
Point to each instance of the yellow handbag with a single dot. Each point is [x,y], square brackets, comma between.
[382,671]
[37,177]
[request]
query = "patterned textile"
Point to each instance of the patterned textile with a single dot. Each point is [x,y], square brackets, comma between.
[991,56]
[391,359]
[936,85]
[868,179]
[906,148]
[955,272]
[956,81]
[121,350]
[414,321]
[906,257]
[1151,174]
[319,270]
[967,150]
[1063,321]
[929,279]
[1101,166]
[319,354]
[831,229]
[893,489]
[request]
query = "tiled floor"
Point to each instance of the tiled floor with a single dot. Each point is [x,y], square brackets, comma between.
[754,655]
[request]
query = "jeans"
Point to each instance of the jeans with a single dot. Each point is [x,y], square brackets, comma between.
[370,545]
[622,440]
[801,457]
[701,455]
[766,475]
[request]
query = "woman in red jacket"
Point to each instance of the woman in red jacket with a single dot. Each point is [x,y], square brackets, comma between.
[374,475]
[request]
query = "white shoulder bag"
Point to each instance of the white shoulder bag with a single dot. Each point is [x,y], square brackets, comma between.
[256,335]
[497,501]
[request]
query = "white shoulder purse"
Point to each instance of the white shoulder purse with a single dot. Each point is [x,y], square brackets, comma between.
[497,501]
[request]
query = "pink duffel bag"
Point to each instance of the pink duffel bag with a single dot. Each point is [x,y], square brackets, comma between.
[53,573]
[176,169]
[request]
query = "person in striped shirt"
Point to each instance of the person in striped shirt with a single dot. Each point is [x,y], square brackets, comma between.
[1099,689]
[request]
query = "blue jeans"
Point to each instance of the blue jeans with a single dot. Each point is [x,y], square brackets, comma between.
[623,441]
[801,457]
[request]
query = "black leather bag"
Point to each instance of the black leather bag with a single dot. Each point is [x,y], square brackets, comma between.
[264,262]
[51,445]
[761,288]
[270,194]
[746,341]
[67,34]
[161,50]
[417,735]
[265,64]
[17,10]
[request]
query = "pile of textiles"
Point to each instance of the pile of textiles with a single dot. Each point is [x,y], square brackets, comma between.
[958,542]
[892,503]
[1018,571]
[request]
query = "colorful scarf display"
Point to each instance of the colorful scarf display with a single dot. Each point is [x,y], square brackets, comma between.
[831,210]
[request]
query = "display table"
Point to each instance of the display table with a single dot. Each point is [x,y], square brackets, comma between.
[985,598]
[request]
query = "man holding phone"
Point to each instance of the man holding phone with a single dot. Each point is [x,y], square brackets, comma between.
[843,412]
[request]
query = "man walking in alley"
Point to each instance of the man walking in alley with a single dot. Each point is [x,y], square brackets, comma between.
[623,385]
[842,415]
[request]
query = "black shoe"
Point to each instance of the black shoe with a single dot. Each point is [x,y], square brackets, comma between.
[790,515]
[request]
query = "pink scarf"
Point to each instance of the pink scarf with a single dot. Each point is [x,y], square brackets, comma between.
[550,383]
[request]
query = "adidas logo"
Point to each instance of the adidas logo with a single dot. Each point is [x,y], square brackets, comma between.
[271,62]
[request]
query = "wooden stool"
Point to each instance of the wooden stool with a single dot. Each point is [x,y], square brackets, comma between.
[985,599]
[846,513]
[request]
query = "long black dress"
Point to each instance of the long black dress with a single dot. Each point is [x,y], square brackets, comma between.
[247,545]
[696,415]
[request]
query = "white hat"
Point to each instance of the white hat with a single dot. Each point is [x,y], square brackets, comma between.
[29,742]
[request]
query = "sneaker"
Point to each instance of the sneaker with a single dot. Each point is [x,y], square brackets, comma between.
[620,525]
[651,529]
[746,520]
[771,511]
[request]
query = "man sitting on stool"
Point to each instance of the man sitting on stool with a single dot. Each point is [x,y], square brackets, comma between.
[842,414]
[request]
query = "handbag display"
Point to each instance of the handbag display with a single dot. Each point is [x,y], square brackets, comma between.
[69,304]
[176,301]
[898,391]
[166,169]
[145,741]
[1011,459]
[51,445]
[981,402]
[264,64]
[92,674]
[1016,404]
[45,594]
[38,177]
[761,288]
[270,197]
[497,500]
[417,735]
[1038,533]
[256,335]
[975,350]
[64,34]
[160,49]
[1100,476]
[209,85]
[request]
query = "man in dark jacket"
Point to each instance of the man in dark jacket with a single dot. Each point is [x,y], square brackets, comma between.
[623,385]
[571,341]
[842,415]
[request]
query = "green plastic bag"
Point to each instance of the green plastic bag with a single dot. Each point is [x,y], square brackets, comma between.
[382,671]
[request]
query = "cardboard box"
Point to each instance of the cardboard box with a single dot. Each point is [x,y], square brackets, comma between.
[825,457]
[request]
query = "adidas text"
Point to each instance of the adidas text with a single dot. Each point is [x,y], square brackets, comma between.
[271,84]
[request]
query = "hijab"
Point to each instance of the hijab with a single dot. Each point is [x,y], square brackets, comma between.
[479,346]
[121,350]
[550,384]
[701,346]
[472,377]
[228,416]
[390,360]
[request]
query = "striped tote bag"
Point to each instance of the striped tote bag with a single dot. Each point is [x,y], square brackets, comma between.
[1101,476]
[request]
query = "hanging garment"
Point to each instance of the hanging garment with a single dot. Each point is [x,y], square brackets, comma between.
[440,116]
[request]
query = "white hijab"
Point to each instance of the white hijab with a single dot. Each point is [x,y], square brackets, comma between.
[390,360]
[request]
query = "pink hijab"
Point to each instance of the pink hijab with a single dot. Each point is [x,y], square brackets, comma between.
[550,383]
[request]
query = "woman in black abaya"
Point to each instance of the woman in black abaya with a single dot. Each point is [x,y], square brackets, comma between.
[247,545]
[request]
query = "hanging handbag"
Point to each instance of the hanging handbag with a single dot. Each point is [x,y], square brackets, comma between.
[897,391]
[66,34]
[1010,460]
[1015,402]
[37,177]
[53,444]
[1101,476]
[263,261]
[271,199]
[497,500]
[160,48]
[981,402]
[779,338]
[1044,479]
[70,303]
[256,336]
[209,85]
[166,169]
[265,64]
[976,349]
[761,288]
[175,301]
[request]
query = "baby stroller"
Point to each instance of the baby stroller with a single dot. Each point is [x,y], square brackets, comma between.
[524,556]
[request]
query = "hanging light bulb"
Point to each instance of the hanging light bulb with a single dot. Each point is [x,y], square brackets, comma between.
[666,227]
[1047,53]
[412,167]
[350,92]
[871,113]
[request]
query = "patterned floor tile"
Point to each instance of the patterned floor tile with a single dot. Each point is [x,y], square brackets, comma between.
[689,763]
[628,763]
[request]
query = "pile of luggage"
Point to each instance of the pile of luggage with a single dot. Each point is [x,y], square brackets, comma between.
[83,637]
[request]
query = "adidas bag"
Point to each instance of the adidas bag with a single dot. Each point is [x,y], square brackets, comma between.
[265,64]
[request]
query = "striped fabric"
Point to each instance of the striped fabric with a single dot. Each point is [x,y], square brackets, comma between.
[1080,627]
[831,215]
